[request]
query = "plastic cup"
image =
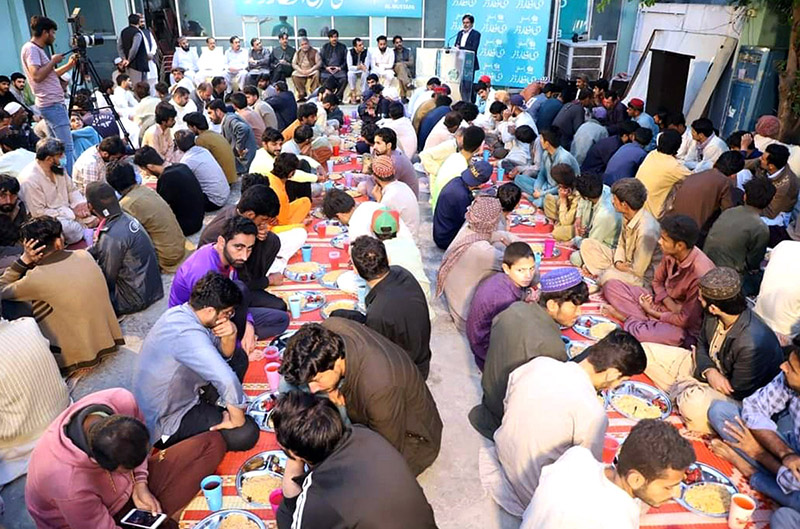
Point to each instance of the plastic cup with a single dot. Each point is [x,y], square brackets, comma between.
[335,258]
[320,228]
[610,448]
[500,174]
[275,499]
[549,246]
[212,490]
[305,250]
[272,354]
[273,377]
[336,150]
[567,344]
[330,166]
[362,295]
[294,305]
[742,509]
[348,179]
[486,155]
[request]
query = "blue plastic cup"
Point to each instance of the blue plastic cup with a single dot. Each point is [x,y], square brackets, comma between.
[500,174]
[362,295]
[306,252]
[295,304]
[212,490]
[567,345]
[486,155]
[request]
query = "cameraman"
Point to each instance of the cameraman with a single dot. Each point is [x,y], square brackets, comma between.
[44,78]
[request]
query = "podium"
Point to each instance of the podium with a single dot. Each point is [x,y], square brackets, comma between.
[456,68]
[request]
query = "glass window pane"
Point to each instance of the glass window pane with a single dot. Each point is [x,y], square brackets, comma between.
[226,22]
[103,57]
[435,19]
[433,44]
[315,26]
[606,24]
[273,26]
[95,14]
[573,18]
[318,43]
[195,18]
[408,28]
[352,26]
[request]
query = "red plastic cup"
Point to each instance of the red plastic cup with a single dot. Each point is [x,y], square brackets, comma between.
[320,228]
[347,247]
[336,150]
[549,246]
[275,499]
[272,354]
[610,447]
[273,377]
[335,257]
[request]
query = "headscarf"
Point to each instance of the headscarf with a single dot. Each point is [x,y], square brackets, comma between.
[482,218]
[769,126]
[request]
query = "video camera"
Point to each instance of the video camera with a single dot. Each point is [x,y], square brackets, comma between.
[80,41]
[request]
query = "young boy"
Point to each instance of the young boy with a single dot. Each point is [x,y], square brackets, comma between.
[509,195]
[496,293]
[520,152]
[562,208]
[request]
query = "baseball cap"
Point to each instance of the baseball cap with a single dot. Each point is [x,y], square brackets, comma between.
[12,108]
[385,221]
[599,113]
[118,60]
[636,103]
[477,173]
[486,79]
[517,100]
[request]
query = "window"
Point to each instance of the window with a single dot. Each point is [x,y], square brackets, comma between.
[606,23]
[195,18]
[435,19]
[408,28]
[573,18]
[103,57]
[273,26]
[226,22]
[96,15]
[315,26]
[352,27]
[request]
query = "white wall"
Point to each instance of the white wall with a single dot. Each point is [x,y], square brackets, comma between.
[694,18]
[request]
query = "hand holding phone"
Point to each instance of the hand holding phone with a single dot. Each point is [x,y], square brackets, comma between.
[143,519]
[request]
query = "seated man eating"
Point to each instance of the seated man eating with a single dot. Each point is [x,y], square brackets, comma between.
[374,379]
[525,331]
[352,468]
[189,363]
[94,464]
[736,353]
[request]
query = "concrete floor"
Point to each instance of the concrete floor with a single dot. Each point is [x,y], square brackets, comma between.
[452,484]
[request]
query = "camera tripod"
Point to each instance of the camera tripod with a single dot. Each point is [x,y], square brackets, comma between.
[83,68]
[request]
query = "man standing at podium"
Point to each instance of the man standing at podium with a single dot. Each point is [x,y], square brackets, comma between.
[468,39]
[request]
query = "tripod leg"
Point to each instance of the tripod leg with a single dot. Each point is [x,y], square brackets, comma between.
[96,80]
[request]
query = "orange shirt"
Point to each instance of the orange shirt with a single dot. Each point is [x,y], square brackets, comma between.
[293,212]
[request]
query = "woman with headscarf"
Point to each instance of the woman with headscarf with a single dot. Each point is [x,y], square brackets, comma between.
[476,252]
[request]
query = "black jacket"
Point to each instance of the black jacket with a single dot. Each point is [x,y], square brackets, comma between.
[472,44]
[139,62]
[750,356]
[363,483]
[285,107]
[179,188]
[126,255]
[334,56]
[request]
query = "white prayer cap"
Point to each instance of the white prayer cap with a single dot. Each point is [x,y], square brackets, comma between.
[12,108]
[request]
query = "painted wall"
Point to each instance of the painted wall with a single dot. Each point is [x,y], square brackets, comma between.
[14,26]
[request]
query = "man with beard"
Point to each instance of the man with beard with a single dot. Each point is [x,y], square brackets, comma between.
[238,133]
[264,161]
[185,57]
[48,191]
[188,377]
[10,204]
[91,165]
[651,465]
[227,256]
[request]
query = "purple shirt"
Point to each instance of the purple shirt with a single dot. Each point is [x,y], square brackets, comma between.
[205,259]
[494,295]
[48,91]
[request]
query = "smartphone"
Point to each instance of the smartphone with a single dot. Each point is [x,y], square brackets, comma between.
[143,519]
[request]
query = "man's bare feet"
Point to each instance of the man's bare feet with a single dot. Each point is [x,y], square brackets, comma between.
[611,312]
[721,449]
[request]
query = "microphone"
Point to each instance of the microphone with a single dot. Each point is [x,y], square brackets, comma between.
[447,42]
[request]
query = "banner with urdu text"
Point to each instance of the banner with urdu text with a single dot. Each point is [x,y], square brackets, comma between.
[513,49]
[341,8]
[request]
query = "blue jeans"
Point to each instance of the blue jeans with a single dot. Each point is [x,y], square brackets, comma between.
[763,480]
[57,121]
[529,184]
[785,518]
